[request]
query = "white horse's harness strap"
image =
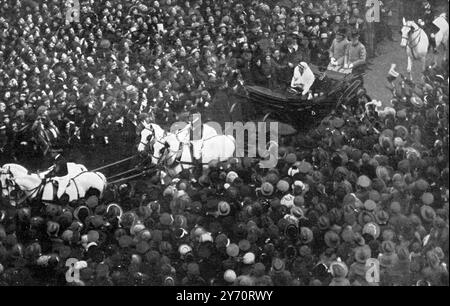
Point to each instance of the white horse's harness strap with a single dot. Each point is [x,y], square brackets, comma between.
[419,37]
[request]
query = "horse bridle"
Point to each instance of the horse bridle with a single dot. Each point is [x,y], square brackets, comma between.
[410,33]
[164,143]
[10,182]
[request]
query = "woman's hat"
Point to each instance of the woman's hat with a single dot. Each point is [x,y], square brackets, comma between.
[338,268]
[249,258]
[267,189]
[232,250]
[362,253]
[223,208]
[372,229]
[427,212]
[306,235]
[381,217]
[363,181]
[229,276]
[332,239]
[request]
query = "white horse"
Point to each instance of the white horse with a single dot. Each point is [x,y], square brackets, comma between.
[11,170]
[178,155]
[149,132]
[416,42]
[32,186]
[153,131]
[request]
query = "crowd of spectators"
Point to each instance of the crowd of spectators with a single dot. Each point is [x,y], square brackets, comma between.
[363,184]
[366,183]
[86,81]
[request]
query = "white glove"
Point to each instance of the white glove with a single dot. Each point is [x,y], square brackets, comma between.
[350,66]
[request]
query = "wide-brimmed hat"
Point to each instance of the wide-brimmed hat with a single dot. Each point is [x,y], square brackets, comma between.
[416,101]
[381,217]
[332,239]
[427,212]
[372,229]
[306,235]
[266,189]
[338,268]
[223,208]
[287,200]
[383,173]
[362,253]
[365,217]
[363,181]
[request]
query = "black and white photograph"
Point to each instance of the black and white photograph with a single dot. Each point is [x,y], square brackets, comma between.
[201,145]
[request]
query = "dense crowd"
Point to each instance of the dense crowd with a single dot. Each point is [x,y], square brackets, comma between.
[366,183]
[66,84]
[375,185]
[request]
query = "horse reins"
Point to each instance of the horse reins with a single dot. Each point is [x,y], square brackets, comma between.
[410,34]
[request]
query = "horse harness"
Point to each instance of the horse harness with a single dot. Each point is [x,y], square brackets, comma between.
[418,38]
[40,190]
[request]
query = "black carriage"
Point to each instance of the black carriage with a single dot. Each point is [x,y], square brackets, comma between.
[331,90]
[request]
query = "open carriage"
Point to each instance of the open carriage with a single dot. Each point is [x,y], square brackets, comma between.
[331,89]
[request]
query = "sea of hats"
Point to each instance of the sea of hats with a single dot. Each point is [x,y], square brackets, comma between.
[314,219]
[127,58]
[367,184]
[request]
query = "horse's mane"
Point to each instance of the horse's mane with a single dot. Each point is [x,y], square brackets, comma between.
[413,24]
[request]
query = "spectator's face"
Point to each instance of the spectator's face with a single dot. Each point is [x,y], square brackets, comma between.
[337,19]
[302,20]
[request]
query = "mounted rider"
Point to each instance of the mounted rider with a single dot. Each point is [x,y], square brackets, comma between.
[426,21]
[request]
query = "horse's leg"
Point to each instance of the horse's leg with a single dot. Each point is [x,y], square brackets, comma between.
[424,63]
[409,67]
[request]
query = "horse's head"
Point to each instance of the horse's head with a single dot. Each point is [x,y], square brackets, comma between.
[10,189]
[407,29]
[147,137]
[6,181]
[165,149]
